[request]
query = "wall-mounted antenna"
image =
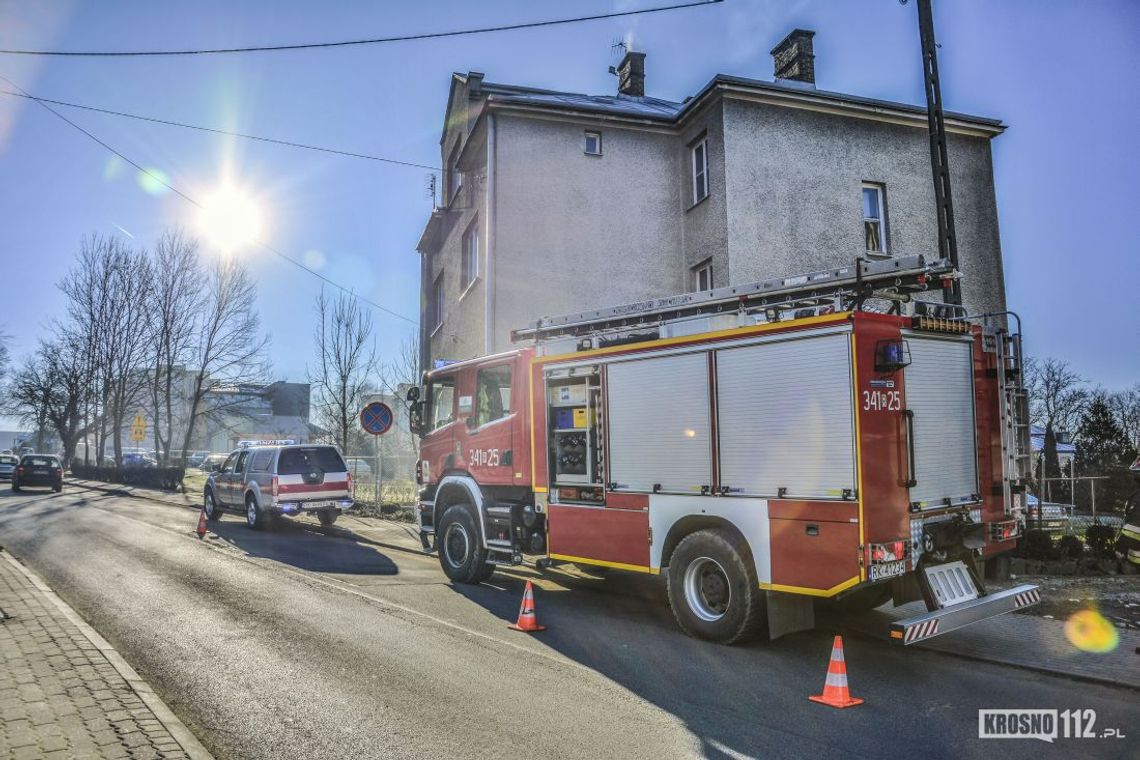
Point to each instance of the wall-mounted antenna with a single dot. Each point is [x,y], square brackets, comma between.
[430,190]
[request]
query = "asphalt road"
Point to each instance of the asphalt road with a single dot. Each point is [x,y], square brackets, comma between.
[303,643]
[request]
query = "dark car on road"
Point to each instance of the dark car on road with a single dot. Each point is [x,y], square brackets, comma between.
[8,464]
[39,470]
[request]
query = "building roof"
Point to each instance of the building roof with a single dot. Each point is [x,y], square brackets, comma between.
[667,111]
[1037,437]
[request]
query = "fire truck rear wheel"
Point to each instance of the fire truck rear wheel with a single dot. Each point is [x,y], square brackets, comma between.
[713,589]
[461,554]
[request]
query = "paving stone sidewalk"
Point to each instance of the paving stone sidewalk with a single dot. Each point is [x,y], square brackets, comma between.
[65,693]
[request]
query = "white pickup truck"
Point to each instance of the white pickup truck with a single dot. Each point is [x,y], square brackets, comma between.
[272,481]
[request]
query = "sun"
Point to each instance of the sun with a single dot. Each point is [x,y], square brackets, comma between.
[230,218]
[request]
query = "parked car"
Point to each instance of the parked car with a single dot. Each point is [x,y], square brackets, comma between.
[135,460]
[213,462]
[1048,516]
[38,470]
[196,458]
[8,464]
[360,469]
[271,481]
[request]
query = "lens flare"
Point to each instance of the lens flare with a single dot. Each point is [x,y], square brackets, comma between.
[154,181]
[230,218]
[314,259]
[1088,631]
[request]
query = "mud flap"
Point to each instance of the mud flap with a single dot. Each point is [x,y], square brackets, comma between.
[789,613]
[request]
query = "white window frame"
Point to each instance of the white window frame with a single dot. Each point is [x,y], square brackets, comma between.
[437,290]
[469,255]
[701,175]
[705,267]
[586,142]
[880,193]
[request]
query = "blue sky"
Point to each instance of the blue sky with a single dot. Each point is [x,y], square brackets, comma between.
[1061,74]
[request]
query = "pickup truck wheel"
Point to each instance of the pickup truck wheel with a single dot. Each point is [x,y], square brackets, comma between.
[461,555]
[211,507]
[254,517]
[327,517]
[713,589]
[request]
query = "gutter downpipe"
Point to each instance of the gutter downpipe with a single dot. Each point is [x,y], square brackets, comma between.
[489,282]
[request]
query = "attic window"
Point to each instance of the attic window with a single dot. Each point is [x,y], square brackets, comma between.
[593,144]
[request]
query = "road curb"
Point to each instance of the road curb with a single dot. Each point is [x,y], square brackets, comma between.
[177,729]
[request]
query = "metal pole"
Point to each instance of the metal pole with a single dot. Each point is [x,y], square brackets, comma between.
[376,479]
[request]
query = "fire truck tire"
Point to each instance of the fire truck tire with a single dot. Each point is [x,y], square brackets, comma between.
[713,589]
[461,554]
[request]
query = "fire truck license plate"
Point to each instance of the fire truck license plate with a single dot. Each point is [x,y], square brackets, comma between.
[888,570]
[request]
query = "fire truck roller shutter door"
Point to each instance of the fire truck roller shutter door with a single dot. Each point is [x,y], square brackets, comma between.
[786,419]
[659,424]
[940,393]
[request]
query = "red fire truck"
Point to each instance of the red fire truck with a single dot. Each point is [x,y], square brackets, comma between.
[827,436]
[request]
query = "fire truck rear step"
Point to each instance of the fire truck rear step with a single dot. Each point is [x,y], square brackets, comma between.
[930,624]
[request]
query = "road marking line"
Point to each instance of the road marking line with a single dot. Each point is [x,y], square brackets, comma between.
[154,703]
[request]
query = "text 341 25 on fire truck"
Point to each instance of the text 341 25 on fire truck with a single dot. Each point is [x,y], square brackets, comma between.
[763,446]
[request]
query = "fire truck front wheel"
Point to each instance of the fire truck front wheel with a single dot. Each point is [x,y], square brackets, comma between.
[713,589]
[461,554]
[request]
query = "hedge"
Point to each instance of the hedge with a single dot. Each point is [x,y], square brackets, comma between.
[166,478]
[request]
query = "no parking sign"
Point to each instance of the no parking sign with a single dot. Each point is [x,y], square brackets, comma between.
[376,418]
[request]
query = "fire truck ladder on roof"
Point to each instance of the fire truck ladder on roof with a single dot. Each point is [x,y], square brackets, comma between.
[844,288]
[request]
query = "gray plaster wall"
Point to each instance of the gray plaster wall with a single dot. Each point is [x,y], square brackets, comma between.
[705,223]
[794,195]
[576,231]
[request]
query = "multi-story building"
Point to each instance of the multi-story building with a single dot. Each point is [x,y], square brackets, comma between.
[557,202]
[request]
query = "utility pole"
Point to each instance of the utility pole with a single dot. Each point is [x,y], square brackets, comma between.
[939,164]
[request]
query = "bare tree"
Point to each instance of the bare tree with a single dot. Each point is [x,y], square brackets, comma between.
[29,396]
[4,355]
[49,392]
[229,349]
[106,293]
[1058,395]
[346,361]
[173,303]
[1125,406]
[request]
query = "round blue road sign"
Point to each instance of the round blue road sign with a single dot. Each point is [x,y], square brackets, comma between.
[376,418]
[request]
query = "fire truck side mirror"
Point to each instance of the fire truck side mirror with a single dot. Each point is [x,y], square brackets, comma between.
[416,417]
[413,394]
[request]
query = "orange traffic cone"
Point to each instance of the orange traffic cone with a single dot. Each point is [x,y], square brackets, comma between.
[835,692]
[528,622]
[202,522]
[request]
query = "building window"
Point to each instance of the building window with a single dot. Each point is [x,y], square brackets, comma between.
[593,145]
[469,266]
[703,276]
[436,315]
[700,171]
[875,217]
[454,176]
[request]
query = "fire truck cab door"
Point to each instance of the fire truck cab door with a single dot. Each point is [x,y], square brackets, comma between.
[438,446]
[486,435]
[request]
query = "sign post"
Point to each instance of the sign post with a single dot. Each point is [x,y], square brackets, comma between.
[376,418]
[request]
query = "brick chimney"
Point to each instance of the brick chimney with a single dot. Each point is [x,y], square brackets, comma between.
[631,74]
[794,58]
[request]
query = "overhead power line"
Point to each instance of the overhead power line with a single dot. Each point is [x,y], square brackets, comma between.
[218,131]
[347,43]
[160,180]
